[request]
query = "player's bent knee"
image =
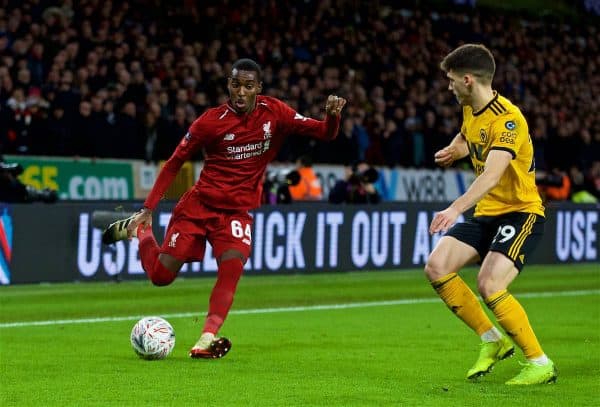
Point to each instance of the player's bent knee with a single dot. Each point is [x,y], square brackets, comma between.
[487,287]
[163,278]
[161,281]
[434,269]
[161,275]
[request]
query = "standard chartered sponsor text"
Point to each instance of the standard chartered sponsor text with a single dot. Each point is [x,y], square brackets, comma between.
[245,151]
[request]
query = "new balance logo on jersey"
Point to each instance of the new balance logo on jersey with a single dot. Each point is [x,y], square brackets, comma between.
[299,117]
[173,240]
[229,137]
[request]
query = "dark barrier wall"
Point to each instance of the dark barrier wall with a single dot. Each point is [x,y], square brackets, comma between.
[57,243]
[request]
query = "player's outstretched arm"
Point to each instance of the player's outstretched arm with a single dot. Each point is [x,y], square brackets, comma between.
[165,177]
[325,130]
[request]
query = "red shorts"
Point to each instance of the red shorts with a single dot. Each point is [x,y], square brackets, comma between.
[193,223]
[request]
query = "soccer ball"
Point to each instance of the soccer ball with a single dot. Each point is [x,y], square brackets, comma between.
[152,338]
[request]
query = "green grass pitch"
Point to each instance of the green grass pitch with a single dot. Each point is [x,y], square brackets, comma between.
[345,339]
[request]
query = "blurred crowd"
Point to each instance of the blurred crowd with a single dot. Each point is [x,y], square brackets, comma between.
[125,79]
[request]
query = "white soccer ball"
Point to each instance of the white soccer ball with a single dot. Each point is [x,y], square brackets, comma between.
[152,338]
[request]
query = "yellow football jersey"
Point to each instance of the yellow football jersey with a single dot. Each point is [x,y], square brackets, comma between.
[500,125]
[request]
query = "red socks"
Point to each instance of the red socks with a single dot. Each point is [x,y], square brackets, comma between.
[221,298]
[157,273]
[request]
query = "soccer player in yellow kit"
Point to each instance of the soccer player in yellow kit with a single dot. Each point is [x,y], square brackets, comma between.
[507,224]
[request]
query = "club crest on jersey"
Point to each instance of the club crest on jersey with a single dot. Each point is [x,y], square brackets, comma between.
[173,240]
[510,125]
[483,136]
[267,130]
[186,139]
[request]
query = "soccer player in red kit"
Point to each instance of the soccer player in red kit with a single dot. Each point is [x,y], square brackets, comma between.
[239,138]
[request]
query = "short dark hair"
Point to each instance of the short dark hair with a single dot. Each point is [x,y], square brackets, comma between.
[247,64]
[475,59]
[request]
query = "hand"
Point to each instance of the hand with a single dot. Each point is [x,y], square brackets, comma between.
[445,156]
[442,221]
[370,188]
[334,105]
[143,218]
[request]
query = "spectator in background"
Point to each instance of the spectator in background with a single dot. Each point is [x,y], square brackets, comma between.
[392,143]
[102,135]
[82,131]
[588,149]
[168,138]
[432,137]
[358,186]
[540,144]
[35,63]
[130,132]
[68,96]
[344,149]
[110,124]
[580,192]
[554,185]
[593,179]
[277,185]
[19,121]
[413,127]
[362,137]
[150,134]
[309,186]
[58,132]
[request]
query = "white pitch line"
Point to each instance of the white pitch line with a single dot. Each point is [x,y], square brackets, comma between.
[283,309]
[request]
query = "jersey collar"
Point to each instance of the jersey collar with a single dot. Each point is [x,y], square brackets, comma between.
[483,109]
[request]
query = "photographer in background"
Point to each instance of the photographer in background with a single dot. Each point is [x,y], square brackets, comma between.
[14,191]
[276,186]
[358,187]
[309,187]
[554,185]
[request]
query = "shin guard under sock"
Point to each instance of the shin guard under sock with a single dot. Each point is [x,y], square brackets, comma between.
[221,297]
[512,318]
[462,301]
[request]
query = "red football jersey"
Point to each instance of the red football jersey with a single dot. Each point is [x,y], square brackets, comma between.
[238,148]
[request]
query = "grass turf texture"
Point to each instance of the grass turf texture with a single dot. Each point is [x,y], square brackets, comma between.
[401,354]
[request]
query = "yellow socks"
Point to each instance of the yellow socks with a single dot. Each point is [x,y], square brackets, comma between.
[512,317]
[460,299]
[509,313]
